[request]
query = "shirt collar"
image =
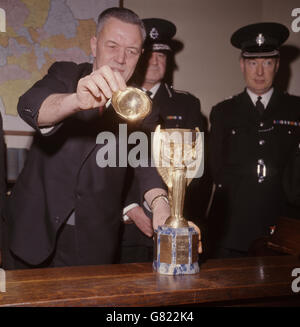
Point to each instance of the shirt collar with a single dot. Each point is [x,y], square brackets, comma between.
[153,90]
[265,98]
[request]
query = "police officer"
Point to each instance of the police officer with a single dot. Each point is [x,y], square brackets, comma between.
[177,109]
[252,136]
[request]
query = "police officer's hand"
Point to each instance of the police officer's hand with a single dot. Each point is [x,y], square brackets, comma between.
[95,89]
[141,220]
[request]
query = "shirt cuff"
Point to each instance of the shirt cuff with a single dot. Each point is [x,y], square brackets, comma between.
[45,130]
[126,209]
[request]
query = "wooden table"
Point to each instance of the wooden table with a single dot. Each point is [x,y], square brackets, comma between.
[243,281]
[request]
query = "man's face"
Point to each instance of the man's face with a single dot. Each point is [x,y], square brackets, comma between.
[259,73]
[156,68]
[118,45]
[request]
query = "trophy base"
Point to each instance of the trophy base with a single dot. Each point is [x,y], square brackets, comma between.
[176,251]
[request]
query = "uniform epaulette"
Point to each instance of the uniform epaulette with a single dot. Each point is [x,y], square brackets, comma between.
[181,91]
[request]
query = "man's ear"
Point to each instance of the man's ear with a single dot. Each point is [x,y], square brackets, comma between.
[93,45]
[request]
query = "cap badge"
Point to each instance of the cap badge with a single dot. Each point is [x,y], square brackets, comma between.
[260,39]
[154,33]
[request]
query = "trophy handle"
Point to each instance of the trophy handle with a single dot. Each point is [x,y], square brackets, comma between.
[156,149]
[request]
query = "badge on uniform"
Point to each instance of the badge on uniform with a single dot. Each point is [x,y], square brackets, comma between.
[286,122]
[174,117]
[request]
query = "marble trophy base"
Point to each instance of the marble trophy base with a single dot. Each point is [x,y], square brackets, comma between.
[176,251]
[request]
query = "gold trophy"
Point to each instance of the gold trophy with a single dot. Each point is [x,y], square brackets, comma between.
[131,104]
[178,157]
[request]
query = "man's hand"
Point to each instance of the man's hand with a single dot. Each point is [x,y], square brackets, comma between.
[197,229]
[95,89]
[141,220]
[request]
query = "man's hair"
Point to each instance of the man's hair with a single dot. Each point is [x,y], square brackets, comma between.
[123,14]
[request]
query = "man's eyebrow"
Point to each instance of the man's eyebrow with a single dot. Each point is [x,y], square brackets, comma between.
[111,41]
[128,47]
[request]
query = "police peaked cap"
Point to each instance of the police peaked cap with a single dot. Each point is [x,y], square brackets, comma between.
[260,40]
[159,34]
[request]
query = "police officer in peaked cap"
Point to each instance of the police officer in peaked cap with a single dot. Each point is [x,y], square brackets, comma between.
[253,135]
[177,109]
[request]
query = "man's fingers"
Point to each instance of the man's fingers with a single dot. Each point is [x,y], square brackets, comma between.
[95,89]
[142,222]
[101,85]
[197,229]
[120,80]
[113,78]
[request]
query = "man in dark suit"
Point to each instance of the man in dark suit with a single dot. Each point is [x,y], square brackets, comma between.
[177,109]
[253,135]
[65,208]
[2,178]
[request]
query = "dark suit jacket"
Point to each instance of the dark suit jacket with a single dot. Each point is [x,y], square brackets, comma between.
[61,174]
[291,182]
[244,208]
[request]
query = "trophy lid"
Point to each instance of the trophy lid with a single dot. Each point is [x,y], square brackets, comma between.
[131,104]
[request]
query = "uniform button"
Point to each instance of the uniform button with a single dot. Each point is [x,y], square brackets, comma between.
[289,132]
[262,142]
[57,219]
[219,185]
[261,124]
[233,131]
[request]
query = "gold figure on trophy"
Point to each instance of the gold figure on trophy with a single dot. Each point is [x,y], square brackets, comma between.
[131,104]
[178,156]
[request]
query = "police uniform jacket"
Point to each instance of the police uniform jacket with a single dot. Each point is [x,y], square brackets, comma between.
[61,175]
[249,153]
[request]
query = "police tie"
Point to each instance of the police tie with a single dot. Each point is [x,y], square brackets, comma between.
[149,93]
[259,106]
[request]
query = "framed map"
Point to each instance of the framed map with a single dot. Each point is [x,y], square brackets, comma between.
[33,35]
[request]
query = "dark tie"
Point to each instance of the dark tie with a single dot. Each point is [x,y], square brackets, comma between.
[259,106]
[149,93]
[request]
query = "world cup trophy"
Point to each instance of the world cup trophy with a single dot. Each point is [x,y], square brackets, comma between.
[178,157]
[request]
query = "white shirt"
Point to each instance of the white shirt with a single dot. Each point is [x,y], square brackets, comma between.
[265,98]
[153,90]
